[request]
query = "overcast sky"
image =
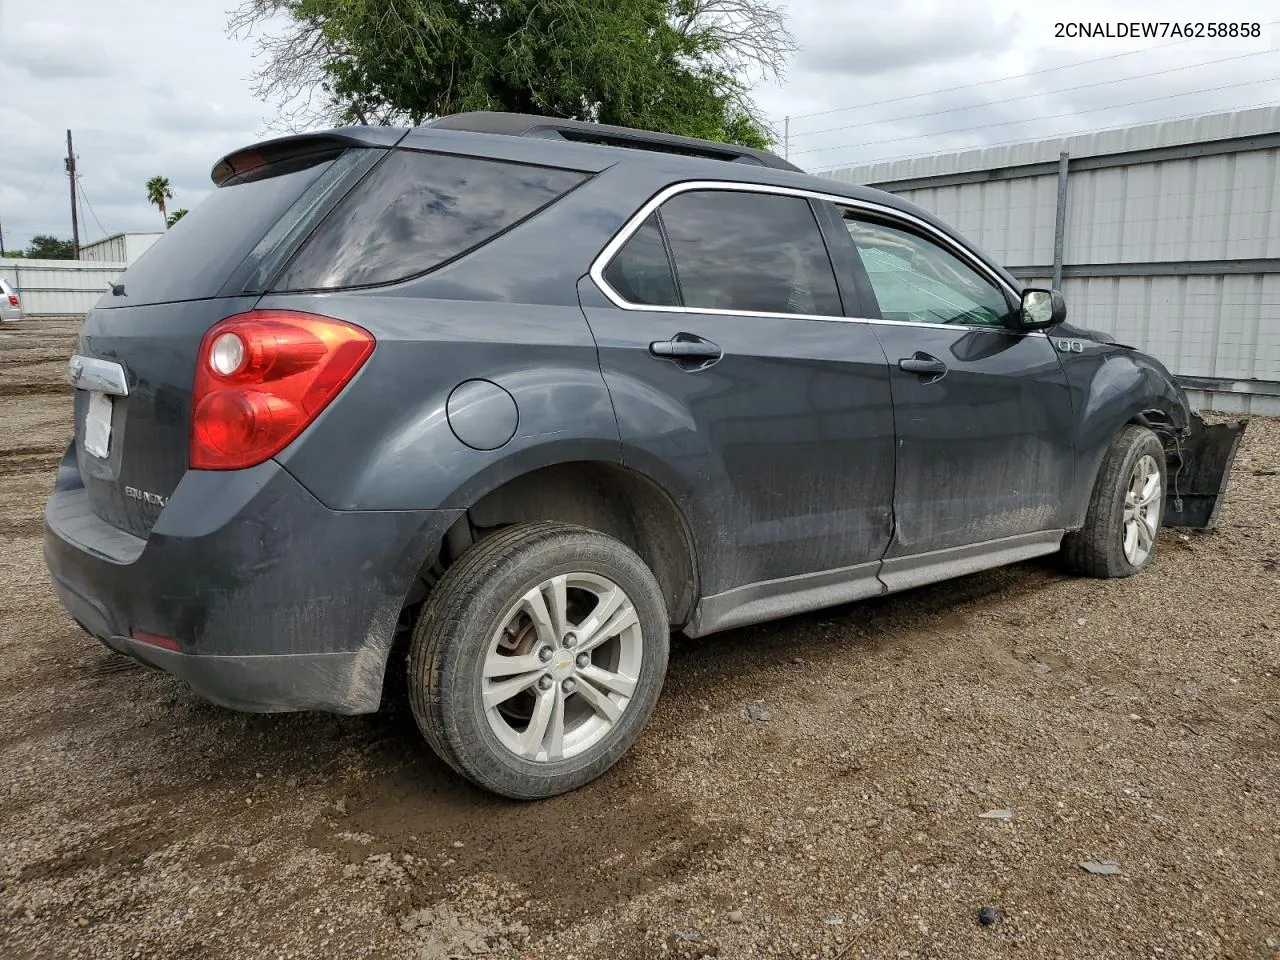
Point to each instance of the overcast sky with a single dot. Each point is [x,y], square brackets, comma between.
[158,88]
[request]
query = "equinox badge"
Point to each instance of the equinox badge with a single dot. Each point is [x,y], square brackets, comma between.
[145,496]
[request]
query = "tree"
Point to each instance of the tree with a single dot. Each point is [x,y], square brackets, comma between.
[47,247]
[175,217]
[158,192]
[682,66]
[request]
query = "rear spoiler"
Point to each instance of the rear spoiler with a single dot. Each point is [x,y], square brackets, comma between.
[1199,472]
[246,159]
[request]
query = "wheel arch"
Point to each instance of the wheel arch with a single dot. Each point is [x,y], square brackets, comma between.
[601,495]
[1127,388]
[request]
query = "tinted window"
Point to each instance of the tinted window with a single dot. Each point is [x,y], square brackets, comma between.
[918,281]
[641,272]
[194,259]
[417,210]
[750,251]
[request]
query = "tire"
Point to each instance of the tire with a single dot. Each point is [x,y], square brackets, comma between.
[1102,548]
[477,616]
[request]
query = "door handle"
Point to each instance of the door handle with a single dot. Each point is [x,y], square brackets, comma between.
[923,364]
[687,348]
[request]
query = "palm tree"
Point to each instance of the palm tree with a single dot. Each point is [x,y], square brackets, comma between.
[158,192]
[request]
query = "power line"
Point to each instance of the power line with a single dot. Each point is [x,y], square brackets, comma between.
[1006,123]
[85,197]
[997,80]
[1044,93]
[1021,140]
[31,198]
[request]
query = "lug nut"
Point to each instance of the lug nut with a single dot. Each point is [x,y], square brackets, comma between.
[544,682]
[584,661]
[567,685]
[570,639]
[544,654]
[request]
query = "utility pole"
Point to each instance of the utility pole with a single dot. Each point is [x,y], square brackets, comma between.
[75,220]
[1,239]
[786,138]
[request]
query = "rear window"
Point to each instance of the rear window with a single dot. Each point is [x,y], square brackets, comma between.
[193,260]
[415,212]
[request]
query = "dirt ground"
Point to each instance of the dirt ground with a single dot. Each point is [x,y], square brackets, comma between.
[1133,721]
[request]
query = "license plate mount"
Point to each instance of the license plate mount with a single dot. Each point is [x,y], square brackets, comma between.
[97,424]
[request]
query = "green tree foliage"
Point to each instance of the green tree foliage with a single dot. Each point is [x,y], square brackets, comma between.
[46,247]
[158,191]
[176,216]
[681,66]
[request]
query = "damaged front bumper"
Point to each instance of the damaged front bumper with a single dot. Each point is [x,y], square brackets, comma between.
[1199,468]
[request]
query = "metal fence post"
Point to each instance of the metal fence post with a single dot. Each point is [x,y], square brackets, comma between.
[1060,221]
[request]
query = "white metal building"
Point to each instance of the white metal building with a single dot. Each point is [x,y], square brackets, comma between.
[1170,237]
[119,247]
[59,288]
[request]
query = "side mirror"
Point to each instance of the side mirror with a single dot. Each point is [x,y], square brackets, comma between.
[1041,309]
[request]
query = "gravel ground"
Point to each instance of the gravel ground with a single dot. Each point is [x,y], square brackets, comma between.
[1133,721]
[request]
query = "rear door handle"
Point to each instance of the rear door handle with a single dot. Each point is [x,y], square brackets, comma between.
[687,348]
[923,364]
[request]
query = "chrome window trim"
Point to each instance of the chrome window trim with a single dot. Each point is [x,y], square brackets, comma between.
[631,226]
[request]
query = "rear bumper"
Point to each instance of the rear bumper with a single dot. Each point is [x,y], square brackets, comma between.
[277,602]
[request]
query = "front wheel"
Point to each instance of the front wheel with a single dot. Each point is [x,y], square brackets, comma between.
[1119,534]
[538,658]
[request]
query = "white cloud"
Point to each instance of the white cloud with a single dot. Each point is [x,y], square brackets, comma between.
[153,88]
[991,71]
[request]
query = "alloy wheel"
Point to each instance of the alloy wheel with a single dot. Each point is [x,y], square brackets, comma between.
[562,667]
[1143,501]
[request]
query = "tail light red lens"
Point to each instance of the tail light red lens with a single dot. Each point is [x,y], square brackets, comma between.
[262,377]
[13,301]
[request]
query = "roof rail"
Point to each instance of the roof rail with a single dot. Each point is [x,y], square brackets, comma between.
[582,131]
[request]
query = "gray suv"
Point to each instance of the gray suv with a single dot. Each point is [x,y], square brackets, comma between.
[500,401]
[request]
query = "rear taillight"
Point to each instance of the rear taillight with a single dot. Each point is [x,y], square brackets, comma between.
[262,377]
[13,301]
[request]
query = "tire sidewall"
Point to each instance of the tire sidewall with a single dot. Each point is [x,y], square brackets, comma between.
[459,667]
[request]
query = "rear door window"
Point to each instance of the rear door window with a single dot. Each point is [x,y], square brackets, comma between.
[417,211]
[756,252]
[641,272]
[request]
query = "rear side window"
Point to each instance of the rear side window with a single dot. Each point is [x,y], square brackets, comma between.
[758,252]
[641,272]
[416,211]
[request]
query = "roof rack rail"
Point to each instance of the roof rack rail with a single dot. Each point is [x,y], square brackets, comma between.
[582,131]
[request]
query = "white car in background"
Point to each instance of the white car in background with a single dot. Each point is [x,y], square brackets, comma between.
[10,305]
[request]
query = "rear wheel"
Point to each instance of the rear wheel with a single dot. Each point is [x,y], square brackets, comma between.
[1119,534]
[538,658]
